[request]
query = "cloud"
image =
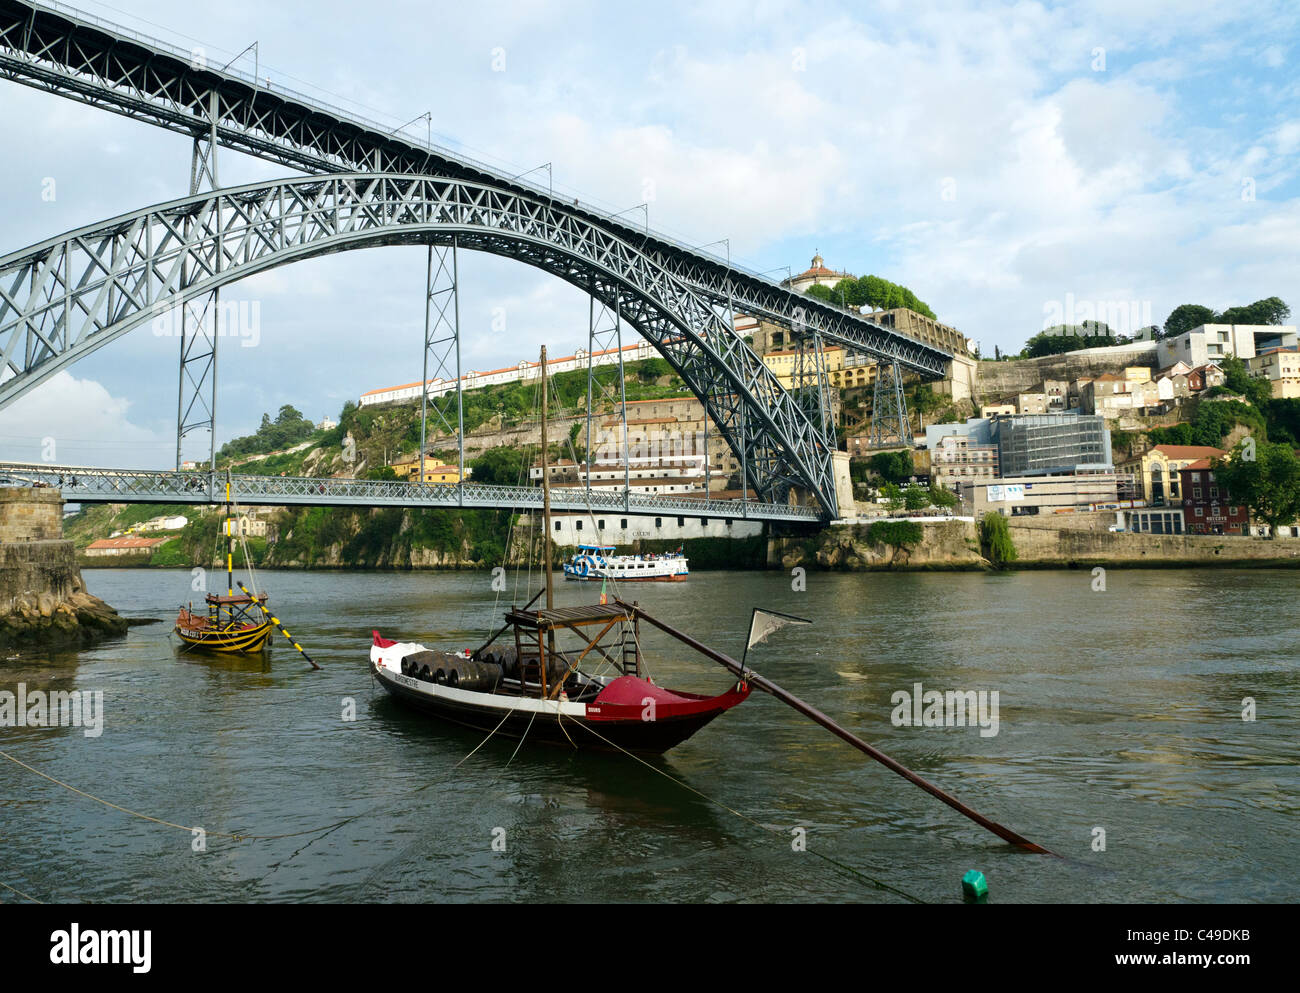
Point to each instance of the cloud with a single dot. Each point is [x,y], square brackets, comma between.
[70,421]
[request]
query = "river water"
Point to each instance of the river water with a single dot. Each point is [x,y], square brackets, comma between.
[1119,710]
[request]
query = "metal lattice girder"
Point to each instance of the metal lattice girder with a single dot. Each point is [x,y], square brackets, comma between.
[83,485]
[889,421]
[61,52]
[442,353]
[69,295]
[605,332]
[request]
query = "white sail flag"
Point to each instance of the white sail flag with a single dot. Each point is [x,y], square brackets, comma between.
[766,622]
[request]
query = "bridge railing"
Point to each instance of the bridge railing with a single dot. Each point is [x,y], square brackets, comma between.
[95,485]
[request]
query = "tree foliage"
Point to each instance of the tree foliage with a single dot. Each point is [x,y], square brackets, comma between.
[995,540]
[1210,424]
[502,466]
[1269,484]
[893,467]
[874,292]
[1270,310]
[288,428]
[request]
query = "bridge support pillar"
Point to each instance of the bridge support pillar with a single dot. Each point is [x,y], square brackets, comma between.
[196,401]
[889,421]
[442,357]
[605,331]
[845,504]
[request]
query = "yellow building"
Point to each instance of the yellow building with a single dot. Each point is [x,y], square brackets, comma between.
[785,364]
[1155,472]
[434,472]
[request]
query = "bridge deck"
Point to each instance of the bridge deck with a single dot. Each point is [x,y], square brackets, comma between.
[90,485]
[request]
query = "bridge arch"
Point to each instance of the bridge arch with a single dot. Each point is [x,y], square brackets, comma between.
[64,298]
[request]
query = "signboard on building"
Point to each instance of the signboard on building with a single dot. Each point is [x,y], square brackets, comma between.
[1011,491]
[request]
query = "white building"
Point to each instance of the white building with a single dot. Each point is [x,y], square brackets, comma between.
[1215,342]
[520,372]
[619,529]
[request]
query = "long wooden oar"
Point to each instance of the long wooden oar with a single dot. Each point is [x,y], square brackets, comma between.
[278,626]
[767,686]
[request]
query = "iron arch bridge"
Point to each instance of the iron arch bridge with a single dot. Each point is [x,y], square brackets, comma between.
[65,297]
[68,296]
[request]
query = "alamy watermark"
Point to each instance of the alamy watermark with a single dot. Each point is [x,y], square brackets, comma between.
[946,708]
[240,319]
[53,708]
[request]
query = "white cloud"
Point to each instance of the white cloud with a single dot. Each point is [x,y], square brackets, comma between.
[70,421]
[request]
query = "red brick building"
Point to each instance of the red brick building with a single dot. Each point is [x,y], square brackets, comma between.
[1208,507]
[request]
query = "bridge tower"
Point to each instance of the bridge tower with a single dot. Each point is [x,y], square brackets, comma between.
[442,346]
[196,398]
[605,331]
[889,422]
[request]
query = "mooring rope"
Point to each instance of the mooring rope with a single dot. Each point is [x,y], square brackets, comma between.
[745,817]
[25,896]
[166,823]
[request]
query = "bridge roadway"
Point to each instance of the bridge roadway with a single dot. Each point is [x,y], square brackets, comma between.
[91,485]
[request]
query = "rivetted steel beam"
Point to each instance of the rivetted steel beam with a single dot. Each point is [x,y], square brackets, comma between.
[69,295]
[82,58]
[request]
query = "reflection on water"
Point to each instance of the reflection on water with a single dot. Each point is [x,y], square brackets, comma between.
[1120,710]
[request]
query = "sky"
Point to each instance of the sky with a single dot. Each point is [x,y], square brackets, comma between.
[1012,163]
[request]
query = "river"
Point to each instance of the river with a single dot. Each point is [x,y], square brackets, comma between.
[1119,710]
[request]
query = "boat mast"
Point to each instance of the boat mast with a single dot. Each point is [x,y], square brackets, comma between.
[230,552]
[546,497]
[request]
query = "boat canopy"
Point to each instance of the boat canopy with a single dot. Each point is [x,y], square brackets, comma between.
[596,548]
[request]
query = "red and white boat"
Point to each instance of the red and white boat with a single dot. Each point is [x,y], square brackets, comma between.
[526,690]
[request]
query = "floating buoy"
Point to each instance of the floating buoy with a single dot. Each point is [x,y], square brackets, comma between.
[974,887]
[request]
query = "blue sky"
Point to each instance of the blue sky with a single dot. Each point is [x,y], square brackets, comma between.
[999,159]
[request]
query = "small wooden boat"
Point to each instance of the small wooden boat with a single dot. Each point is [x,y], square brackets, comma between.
[529,685]
[236,622]
[226,627]
[598,563]
[525,690]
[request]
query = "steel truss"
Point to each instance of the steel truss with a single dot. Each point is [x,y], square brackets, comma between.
[198,336]
[86,485]
[442,345]
[70,54]
[890,425]
[69,295]
[605,331]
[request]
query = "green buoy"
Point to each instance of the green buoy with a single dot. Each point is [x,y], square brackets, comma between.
[974,887]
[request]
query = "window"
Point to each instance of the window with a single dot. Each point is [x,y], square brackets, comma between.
[600,525]
[659,522]
[623,523]
[557,525]
[681,522]
[1200,511]
[577,525]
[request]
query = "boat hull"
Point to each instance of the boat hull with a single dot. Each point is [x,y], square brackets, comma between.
[244,641]
[597,726]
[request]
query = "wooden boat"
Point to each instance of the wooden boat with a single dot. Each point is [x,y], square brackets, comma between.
[236,622]
[593,563]
[528,684]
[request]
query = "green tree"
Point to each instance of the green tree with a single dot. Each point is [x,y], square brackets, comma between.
[941,496]
[995,540]
[916,498]
[894,501]
[1184,318]
[1269,484]
[1271,310]
[893,467]
[503,466]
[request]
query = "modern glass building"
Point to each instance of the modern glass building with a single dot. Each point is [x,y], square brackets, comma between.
[1042,444]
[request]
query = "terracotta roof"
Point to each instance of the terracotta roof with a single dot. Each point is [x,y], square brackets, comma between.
[126,543]
[1198,464]
[1188,451]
